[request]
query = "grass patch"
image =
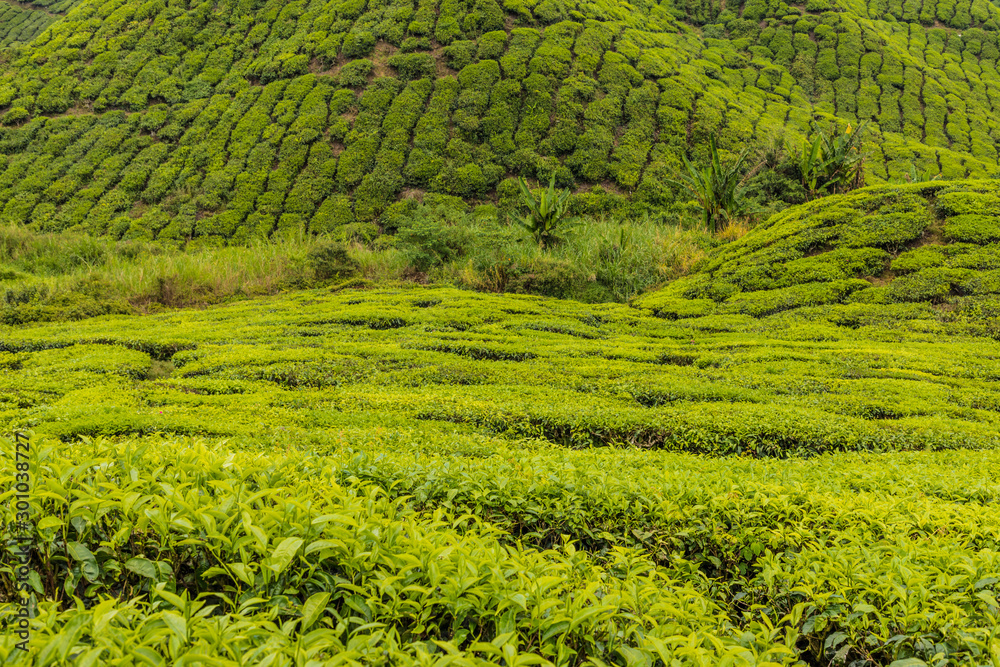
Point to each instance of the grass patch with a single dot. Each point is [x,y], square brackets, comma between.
[69,276]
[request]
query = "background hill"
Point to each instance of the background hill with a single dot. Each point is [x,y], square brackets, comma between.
[236,120]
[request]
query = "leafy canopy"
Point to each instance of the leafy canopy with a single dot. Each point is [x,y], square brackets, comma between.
[546,211]
[719,188]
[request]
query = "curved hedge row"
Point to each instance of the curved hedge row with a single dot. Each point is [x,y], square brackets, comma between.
[799,383]
[918,256]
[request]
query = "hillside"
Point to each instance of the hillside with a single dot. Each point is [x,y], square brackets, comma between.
[21,22]
[258,406]
[924,258]
[237,120]
[728,471]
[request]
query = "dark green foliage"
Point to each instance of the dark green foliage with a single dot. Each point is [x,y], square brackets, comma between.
[629,158]
[492,45]
[358,44]
[430,136]
[551,277]
[413,65]
[433,235]
[355,74]
[460,54]
[379,188]
[334,214]
[486,16]
[833,164]
[572,94]
[718,188]
[546,212]
[329,261]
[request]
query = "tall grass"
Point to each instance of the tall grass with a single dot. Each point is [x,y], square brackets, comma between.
[208,276]
[625,257]
[54,254]
[68,275]
[39,267]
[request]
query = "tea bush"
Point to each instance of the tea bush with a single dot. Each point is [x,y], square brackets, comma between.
[414,474]
[880,245]
[788,455]
[157,124]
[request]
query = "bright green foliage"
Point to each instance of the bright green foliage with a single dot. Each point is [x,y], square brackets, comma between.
[842,260]
[174,122]
[296,571]
[546,212]
[430,461]
[414,474]
[719,188]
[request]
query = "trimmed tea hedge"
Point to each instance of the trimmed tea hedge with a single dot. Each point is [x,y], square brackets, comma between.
[158,120]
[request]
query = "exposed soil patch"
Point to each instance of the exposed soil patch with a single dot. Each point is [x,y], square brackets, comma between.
[439,61]
[933,235]
[316,66]
[380,59]
[881,280]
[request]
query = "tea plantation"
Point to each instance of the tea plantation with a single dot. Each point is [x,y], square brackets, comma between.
[219,122]
[789,457]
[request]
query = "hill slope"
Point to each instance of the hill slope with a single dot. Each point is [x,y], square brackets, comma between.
[923,257]
[233,120]
[393,475]
[312,464]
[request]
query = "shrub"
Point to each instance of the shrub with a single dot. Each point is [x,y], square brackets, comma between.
[358,44]
[718,188]
[891,227]
[413,65]
[333,215]
[546,213]
[931,284]
[465,181]
[763,303]
[447,29]
[486,16]
[433,236]
[329,261]
[355,73]
[15,115]
[491,46]
[460,54]
[973,228]
[548,276]
[920,258]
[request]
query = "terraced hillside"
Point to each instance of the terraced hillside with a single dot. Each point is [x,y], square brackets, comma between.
[21,22]
[922,257]
[421,475]
[233,120]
